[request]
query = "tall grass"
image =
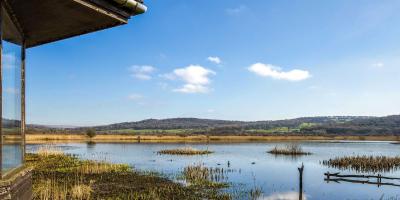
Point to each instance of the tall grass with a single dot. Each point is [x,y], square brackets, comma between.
[49,150]
[81,191]
[99,167]
[201,174]
[50,189]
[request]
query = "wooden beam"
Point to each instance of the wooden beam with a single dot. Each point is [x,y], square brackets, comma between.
[102,11]
[14,18]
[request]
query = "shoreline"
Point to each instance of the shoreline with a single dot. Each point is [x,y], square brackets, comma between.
[103,138]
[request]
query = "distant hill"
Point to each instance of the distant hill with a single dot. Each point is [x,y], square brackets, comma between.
[196,123]
[305,125]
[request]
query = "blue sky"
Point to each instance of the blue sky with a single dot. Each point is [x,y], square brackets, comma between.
[242,60]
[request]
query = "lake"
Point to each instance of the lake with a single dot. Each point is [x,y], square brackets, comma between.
[251,167]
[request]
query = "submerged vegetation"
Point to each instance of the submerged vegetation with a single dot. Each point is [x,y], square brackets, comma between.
[185,151]
[365,163]
[59,176]
[292,150]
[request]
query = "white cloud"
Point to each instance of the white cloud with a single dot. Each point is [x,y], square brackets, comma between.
[378,65]
[195,77]
[194,74]
[267,70]
[143,72]
[214,59]
[237,10]
[135,97]
[210,110]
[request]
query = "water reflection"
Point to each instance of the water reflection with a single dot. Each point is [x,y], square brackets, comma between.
[283,196]
[12,156]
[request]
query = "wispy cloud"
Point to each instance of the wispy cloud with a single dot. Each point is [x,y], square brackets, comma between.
[271,71]
[195,77]
[192,88]
[135,97]
[378,65]
[143,72]
[237,10]
[214,59]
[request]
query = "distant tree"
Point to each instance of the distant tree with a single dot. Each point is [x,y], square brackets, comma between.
[91,133]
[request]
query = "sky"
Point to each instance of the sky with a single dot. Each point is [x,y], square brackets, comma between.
[225,59]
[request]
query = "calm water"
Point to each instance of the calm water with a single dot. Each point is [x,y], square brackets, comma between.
[252,167]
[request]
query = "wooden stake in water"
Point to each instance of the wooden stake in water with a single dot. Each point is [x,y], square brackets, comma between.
[301,169]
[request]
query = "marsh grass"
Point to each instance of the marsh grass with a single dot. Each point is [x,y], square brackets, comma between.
[47,189]
[81,191]
[291,150]
[255,193]
[57,176]
[200,174]
[49,150]
[365,163]
[185,151]
[99,167]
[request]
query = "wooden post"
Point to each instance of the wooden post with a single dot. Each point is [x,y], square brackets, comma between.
[301,170]
[1,89]
[379,180]
[23,121]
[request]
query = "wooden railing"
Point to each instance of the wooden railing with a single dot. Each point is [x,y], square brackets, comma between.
[362,179]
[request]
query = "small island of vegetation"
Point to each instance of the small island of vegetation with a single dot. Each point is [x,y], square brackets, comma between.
[365,163]
[185,151]
[291,150]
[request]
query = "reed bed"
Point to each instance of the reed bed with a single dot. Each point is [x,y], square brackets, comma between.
[49,150]
[201,174]
[57,176]
[99,167]
[81,191]
[291,150]
[365,164]
[46,189]
[185,151]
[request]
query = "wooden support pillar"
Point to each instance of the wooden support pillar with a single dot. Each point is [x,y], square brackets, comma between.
[1,89]
[23,121]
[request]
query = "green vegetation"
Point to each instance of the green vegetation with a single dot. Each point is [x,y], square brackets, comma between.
[91,133]
[365,163]
[291,150]
[59,176]
[185,151]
